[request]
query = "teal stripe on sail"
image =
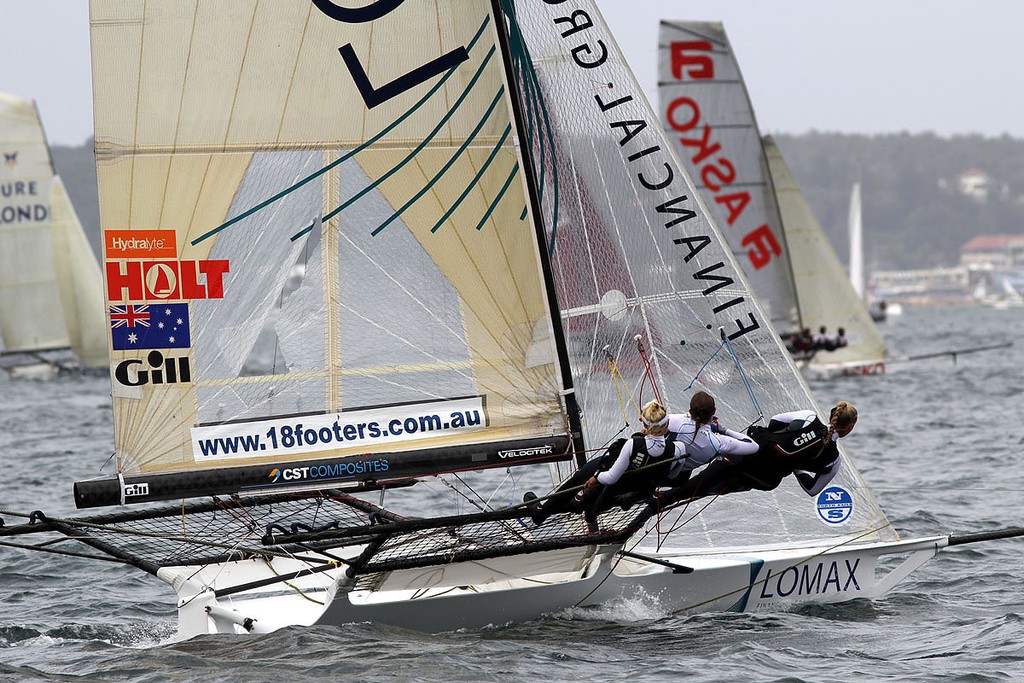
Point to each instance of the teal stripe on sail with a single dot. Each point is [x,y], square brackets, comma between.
[444,169]
[474,181]
[426,141]
[532,92]
[313,176]
[497,198]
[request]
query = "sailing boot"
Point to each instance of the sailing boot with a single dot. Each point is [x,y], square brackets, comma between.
[534,508]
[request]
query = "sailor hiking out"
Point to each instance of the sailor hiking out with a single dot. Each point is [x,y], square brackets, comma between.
[629,467]
[795,442]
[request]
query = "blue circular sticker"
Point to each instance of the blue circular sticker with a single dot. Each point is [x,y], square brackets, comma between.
[835,505]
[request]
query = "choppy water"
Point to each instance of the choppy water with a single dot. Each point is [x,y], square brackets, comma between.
[939,443]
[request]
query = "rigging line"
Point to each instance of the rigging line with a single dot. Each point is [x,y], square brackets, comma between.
[473,183]
[487,507]
[792,566]
[743,375]
[270,566]
[648,371]
[69,553]
[617,379]
[706,363]
[387,129]
[427,139]
[448,164]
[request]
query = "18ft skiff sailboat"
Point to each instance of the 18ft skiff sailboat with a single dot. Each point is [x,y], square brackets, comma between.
[755,199]
[490,219]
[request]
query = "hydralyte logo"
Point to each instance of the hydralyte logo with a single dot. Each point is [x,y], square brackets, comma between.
[835,505]
[275,474]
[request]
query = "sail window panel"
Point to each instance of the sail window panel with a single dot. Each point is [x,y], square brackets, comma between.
[261,397]
[259,250]
[434,300]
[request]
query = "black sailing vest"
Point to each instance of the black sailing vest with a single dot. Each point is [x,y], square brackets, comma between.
[640,457]
[788,446]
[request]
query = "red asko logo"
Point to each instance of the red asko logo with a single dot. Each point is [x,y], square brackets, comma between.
[715,169]
[698,66]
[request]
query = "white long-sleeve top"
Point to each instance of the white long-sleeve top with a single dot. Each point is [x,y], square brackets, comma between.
[703,445]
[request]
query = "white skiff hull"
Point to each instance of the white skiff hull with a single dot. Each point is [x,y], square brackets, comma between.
[432,599]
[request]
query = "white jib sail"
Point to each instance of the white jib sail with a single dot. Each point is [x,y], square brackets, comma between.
[636,254]
[826,297]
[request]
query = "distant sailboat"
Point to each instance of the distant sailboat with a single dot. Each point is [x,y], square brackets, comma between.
[877,308]
[51,299]
[825,293]
[707,113]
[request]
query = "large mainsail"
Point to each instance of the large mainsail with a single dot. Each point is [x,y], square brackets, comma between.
[709,118]
[637,256]
[259,140]
[50,286]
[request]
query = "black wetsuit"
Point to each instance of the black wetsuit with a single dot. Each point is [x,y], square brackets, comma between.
[784,448]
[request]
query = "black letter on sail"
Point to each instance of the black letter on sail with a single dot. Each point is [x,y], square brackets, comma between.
[357,15]
[373,96]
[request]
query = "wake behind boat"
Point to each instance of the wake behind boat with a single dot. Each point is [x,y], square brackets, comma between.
[500,256]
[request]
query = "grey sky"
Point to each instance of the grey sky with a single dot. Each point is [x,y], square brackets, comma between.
[854,66]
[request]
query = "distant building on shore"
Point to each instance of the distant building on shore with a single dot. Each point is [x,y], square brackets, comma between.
[990,265]
[998,252]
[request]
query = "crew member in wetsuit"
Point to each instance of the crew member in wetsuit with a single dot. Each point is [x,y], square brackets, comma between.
[639,466]
[795,443]
[703,439]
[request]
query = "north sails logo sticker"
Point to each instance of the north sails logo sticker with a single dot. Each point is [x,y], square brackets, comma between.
[835,505]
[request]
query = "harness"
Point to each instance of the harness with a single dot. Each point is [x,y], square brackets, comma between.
[639,457]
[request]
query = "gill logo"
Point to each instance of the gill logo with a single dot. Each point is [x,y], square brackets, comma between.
[275,474]
[804,438]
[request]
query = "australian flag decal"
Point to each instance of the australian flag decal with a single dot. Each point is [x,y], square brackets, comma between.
[153,326]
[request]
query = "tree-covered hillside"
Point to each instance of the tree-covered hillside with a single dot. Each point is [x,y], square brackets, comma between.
[914,216]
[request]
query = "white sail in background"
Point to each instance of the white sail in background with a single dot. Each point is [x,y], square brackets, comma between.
[826,297]
[707,114]
[856,228]
[50,285]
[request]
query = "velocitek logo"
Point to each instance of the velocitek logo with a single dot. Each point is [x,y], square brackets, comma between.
[275,474]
